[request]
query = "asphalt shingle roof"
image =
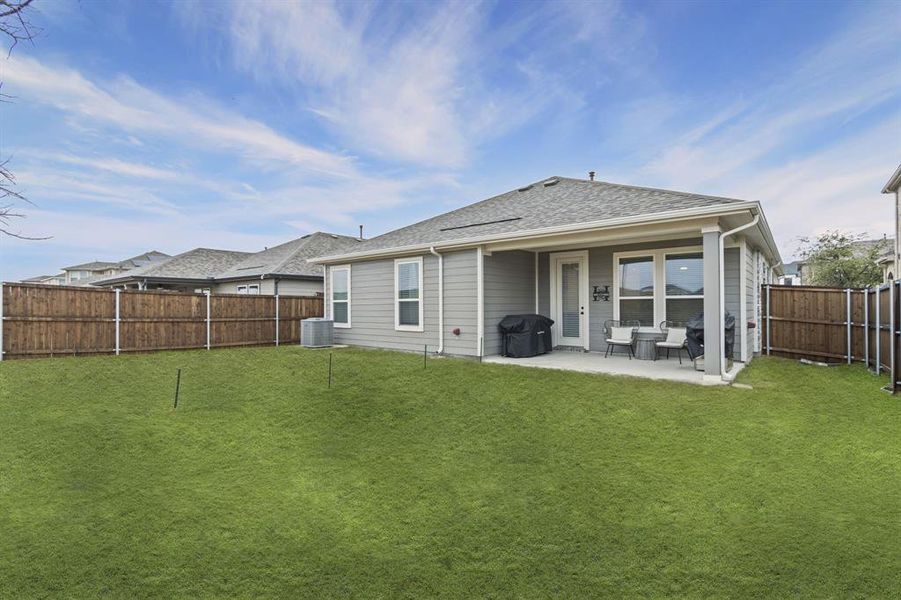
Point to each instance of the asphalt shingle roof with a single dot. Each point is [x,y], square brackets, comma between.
[96,265]
[291,258]
[142,259]
[555,201]
[199,263]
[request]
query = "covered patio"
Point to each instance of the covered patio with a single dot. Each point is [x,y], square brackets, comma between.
[620,364]
[650,277]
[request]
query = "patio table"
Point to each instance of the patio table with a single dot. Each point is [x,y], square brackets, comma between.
[646,339]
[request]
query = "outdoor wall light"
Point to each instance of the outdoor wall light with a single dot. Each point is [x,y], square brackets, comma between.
[601,293]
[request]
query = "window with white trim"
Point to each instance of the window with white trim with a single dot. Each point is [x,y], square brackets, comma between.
[636,289]
[408,294]
[339,295]
[252,289]
[684,292]
[665,284]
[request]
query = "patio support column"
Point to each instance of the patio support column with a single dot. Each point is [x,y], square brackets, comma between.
[712,308]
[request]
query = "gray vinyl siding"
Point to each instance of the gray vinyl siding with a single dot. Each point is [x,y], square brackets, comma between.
[544,289]
[460,303]
[749,299]
[509,289]
[286,287]
[299,287]
[372,306]
[732,288]
[267,287]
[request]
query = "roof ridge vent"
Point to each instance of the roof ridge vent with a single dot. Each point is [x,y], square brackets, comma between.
[525,188]
[550,182]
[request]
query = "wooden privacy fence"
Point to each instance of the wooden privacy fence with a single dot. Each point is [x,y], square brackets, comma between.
[835,325]
[46,320]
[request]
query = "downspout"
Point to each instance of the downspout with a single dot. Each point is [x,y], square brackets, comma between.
[722,332]
[440,299]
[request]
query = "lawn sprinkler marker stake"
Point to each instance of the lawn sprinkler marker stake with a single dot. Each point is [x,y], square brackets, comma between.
[177,385]
[425,356]
[330,370]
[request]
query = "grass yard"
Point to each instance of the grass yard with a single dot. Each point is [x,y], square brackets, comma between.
[461,480]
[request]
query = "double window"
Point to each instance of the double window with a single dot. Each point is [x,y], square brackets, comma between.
[408,294]
[659,285]
[339,295]
[252,289]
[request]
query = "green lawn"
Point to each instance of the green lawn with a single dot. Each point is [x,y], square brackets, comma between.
[461,480]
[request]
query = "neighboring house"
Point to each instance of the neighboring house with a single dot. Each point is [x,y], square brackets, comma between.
[47,279]
[283,269]
[792,274]
[890,265]
[87,273]
[190,271]
[580,252]
[97,268]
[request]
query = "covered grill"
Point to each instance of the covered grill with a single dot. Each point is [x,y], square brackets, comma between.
[526,335]
[694,334]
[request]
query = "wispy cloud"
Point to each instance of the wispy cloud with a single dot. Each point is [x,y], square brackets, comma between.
[817,139]
[422,84]
[192,121]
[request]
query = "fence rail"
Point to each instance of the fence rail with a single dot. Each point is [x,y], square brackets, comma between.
[48,321]
[835,325]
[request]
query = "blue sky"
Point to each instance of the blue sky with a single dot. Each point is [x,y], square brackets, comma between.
[155,125]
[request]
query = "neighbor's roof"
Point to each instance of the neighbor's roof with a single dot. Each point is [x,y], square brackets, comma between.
[291,258]
[199,263]
[894,182]
[551,202]
[129,263]
[40,278]
[97,265]
[142,259]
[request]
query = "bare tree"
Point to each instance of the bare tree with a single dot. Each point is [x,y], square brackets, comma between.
[15,26]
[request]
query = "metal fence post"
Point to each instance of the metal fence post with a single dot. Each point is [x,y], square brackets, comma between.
[877,302]
[866,327]
[769,323]
[892,330]
[848,320]
[118,292]
[207,320]
[276,319]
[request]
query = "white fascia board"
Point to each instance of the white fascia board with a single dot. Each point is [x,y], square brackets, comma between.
[730,209]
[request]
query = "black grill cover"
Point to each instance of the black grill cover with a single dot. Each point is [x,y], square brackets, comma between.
[526,335]
[694,334]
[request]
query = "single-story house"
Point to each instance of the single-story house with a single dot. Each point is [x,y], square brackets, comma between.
[578,251]
[283,269]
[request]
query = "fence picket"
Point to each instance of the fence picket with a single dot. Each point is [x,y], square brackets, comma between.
[104,321]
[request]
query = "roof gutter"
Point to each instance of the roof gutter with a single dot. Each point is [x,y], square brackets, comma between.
[440,299]
[729,209]
[722,290]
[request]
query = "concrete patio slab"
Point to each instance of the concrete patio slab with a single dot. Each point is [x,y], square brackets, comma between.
[594,362]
